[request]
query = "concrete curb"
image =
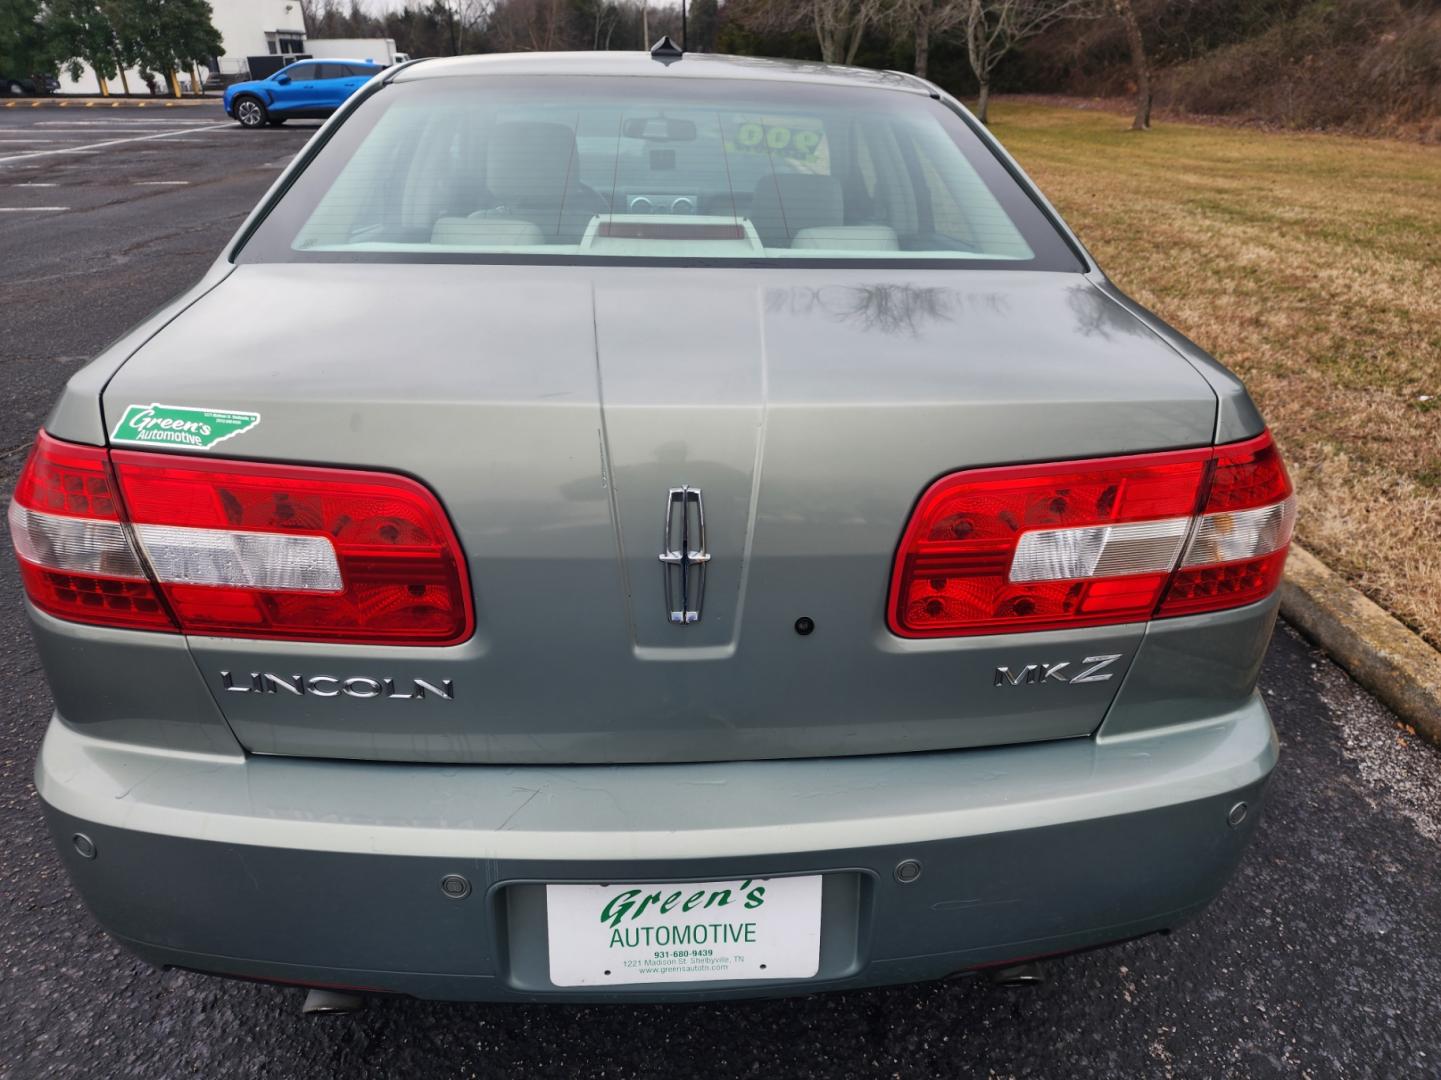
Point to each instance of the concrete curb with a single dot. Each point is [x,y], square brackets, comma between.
[1381,654]
[108,103]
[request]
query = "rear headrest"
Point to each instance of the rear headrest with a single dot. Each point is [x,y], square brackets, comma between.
[529,164]
[848,238]
[486,232]
[785,204]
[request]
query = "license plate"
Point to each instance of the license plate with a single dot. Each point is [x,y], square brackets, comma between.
[747,928]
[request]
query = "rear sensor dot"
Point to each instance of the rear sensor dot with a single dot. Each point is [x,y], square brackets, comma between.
[455,887]
[907,871]
[804,625]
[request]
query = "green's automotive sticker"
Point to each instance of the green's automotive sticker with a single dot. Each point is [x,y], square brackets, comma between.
[791,139]
[183,427]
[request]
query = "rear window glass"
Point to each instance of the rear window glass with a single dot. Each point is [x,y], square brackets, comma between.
[576,169]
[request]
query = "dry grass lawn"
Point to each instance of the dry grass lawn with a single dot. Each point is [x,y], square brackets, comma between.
[1311,266]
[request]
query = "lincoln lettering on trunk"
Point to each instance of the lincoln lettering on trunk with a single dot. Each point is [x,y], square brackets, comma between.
[329,686]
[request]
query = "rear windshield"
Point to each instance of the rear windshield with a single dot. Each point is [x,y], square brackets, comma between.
[576,169]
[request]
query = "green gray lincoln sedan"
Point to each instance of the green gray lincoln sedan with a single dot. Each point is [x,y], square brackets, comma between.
[650,527]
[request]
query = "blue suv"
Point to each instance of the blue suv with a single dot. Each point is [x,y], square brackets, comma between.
[309,88]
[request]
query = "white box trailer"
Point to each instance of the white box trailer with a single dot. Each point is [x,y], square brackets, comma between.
[379,50]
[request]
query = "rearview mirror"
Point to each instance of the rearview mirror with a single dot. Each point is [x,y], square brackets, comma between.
[659,129]
[283,80]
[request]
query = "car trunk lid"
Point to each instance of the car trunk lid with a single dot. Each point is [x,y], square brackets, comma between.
[556,411]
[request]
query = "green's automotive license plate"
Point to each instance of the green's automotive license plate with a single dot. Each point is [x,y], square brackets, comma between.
[748,928]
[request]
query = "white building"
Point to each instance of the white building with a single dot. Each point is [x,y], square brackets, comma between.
[247,28]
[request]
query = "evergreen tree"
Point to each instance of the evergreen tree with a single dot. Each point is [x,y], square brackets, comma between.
[702,25]
[171,35]
[80,33]
[25,47]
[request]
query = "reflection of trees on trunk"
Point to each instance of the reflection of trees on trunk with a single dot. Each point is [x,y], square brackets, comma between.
[889,309]
[1098,316]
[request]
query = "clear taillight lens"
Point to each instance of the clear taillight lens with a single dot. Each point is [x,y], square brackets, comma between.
[238,548]
[1086,543]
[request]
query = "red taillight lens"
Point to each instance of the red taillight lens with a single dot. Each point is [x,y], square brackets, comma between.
[1238,551]
[256,550]
[77,561]
[1038,547]
[243,549]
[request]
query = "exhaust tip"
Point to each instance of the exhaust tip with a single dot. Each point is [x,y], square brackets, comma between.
[322,1002]
[1017,976]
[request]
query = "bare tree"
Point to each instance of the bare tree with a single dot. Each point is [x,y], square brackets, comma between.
[932,19]
[924,10]
[839,25]
[532,26]
[604,16]
[995,27]
[1142,66]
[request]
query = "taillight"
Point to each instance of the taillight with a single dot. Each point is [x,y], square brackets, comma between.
[1238,550]
[77,561]
[246,549]
[1085,543]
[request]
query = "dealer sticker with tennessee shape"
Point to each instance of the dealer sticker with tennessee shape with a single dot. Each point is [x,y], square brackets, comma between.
[180,427]
[751,928]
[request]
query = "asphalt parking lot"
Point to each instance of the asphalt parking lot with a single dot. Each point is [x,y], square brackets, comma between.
[1322,959]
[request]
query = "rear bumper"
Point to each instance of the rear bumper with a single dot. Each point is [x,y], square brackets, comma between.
[329,872]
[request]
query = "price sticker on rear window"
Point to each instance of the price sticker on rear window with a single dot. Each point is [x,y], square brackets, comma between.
[181,427]
[798,140]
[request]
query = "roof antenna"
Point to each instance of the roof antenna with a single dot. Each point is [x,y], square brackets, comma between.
[666,51]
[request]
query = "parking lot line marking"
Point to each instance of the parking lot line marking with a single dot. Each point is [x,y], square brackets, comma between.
[32,183]
[31,209]
[118,121]
[29,154]
[161,183]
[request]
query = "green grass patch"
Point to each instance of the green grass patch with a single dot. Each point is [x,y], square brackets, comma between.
[1311,265]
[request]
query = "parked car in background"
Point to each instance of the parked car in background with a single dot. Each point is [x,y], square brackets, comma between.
[35,84]
[307,89]
[372,671]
